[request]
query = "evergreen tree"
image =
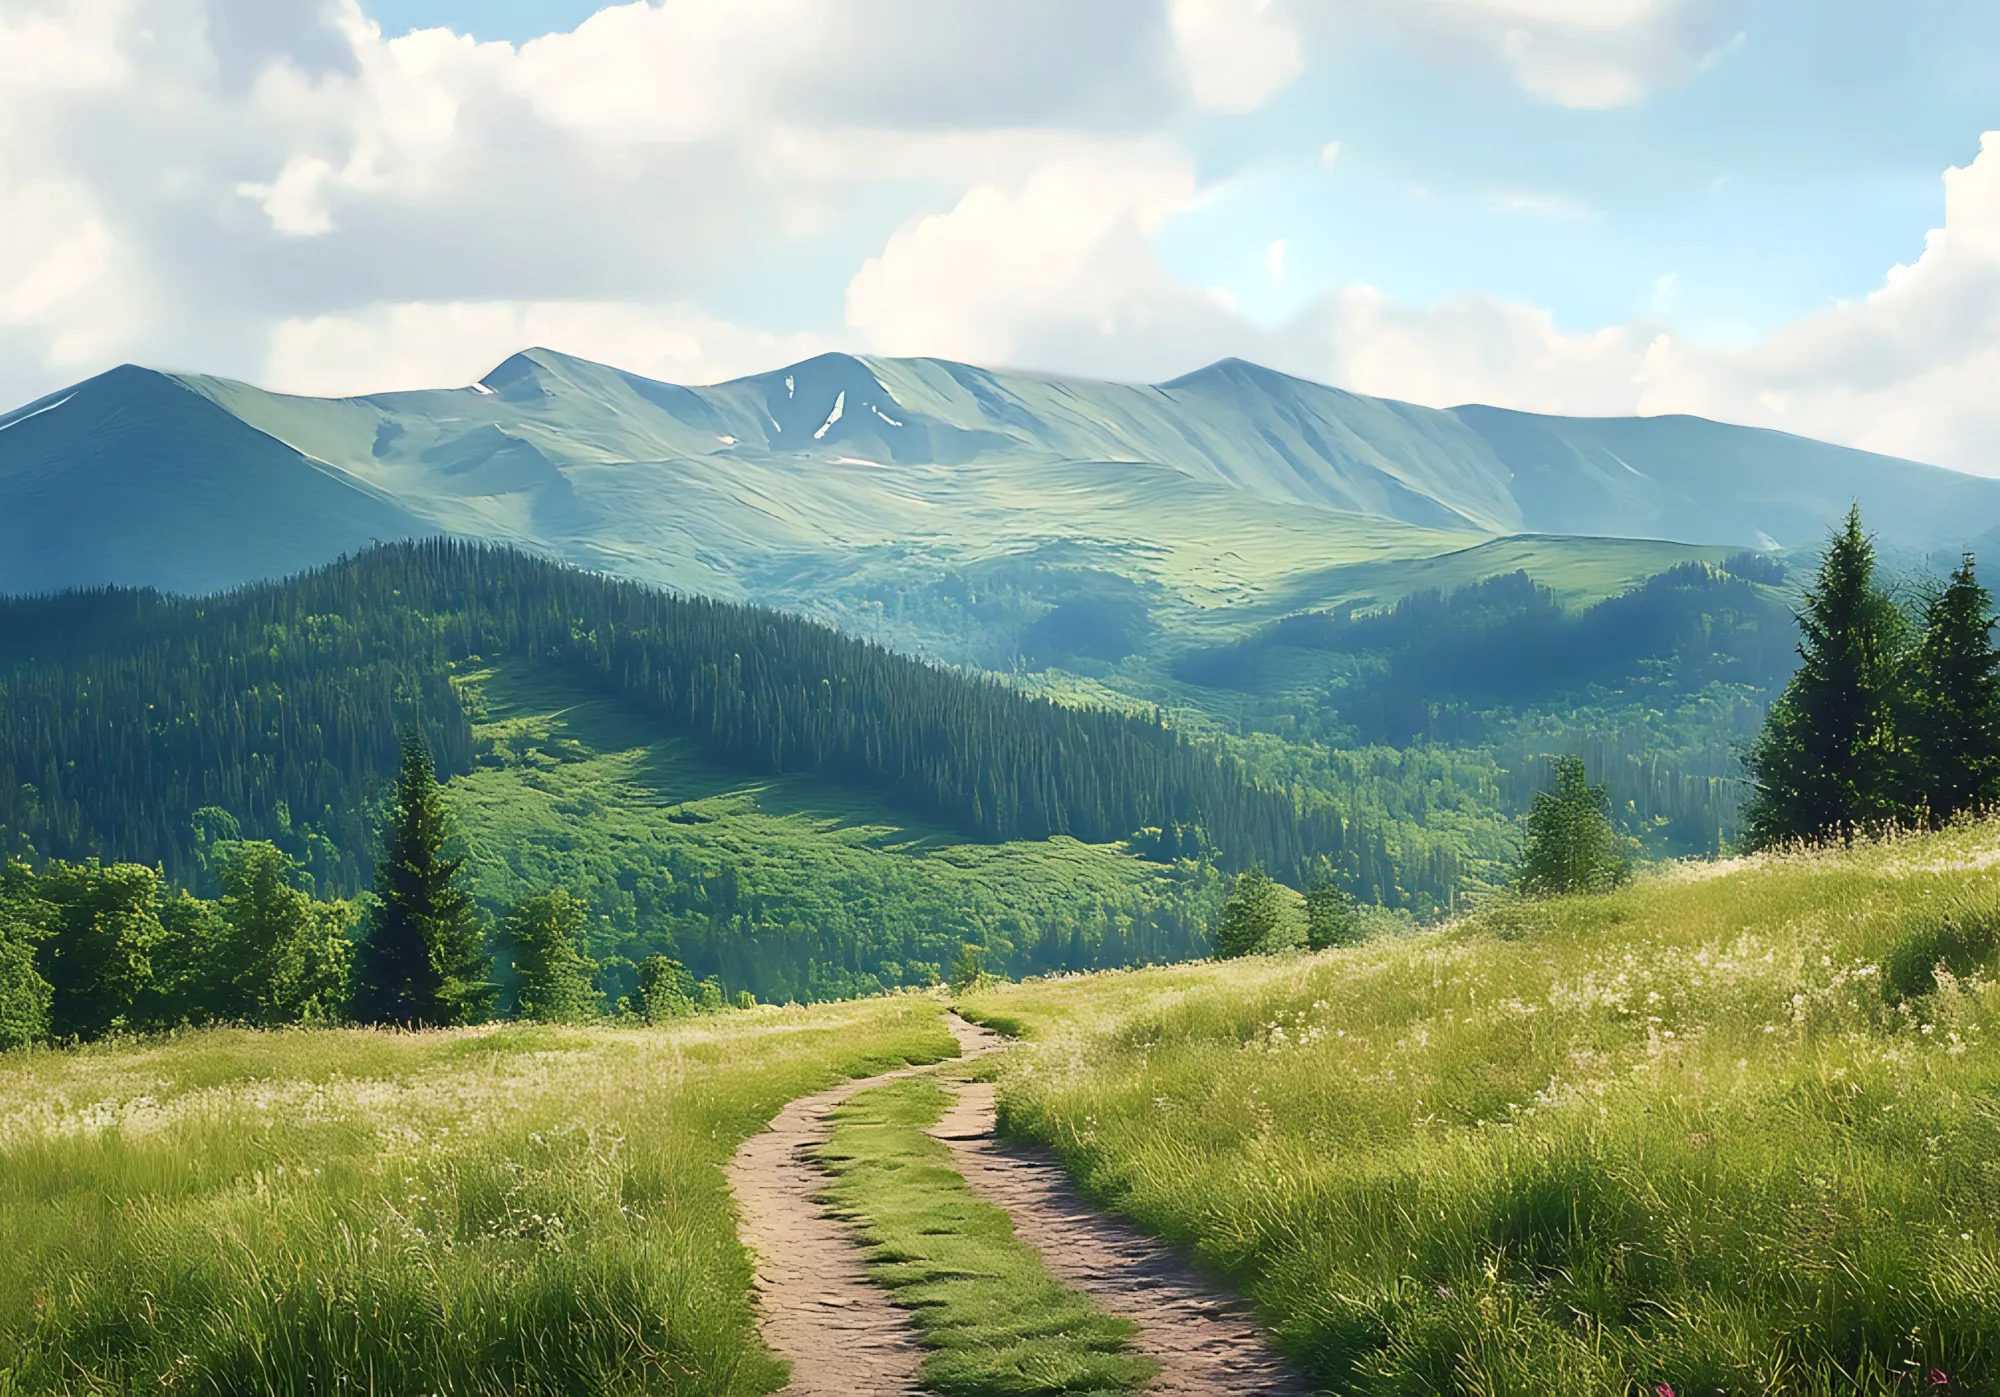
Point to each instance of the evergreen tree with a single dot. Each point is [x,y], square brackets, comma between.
[1571,846]
[553,977]
[422,963]
[1331,916]
[1827,763]
[1252,920]
[1954,688]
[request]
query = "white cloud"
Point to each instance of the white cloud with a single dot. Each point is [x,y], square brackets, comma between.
[1589,54]
[1274,259]
[1329,155]
[1237,54]
[434,344]
[1053,271]
[1059,272]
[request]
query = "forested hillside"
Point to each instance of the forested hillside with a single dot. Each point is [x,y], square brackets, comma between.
[130,722]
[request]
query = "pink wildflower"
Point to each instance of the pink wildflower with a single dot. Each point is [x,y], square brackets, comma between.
[1663,1389]
[1938,1377]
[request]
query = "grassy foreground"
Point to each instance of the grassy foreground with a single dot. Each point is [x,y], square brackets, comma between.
[1727,1131]
[998,1324]
[517,1210]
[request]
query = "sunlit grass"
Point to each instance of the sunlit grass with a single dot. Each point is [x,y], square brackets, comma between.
[998,1323]
[1681,1134]
[517,1210]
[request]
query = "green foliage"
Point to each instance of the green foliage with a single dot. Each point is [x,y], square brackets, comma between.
[1570,846]
[665,990]
[98,957]
[996,1321]
[423,960]
[786,887]
[552,976]
[285,957]
[107,688]
[1252,921]
[1954,692]
[24,995]
[1828,764]
[532,1210]
[968,967]
[1332,919]
[1675,1135]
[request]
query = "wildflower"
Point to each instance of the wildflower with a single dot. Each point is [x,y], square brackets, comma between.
[1662,1389]
[1938,1377]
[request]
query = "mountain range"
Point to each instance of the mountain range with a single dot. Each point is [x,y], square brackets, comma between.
[839,484]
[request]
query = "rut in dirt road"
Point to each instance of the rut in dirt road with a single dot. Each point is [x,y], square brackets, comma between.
[1204,1339]
[815,1303]
[846,1338]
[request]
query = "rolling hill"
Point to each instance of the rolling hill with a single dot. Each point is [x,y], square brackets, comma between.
[854,489]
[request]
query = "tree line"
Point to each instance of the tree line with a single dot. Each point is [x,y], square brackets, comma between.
[1893,717]
[88,949]
[123,714]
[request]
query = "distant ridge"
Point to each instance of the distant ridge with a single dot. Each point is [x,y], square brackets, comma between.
[1221,479]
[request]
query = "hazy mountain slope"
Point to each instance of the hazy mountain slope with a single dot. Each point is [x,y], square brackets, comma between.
[830,484]
[131,478]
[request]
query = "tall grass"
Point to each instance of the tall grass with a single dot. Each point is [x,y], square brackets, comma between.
[517,1210]
[1735,1133]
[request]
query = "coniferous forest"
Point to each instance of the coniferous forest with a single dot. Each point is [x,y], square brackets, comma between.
[125,715]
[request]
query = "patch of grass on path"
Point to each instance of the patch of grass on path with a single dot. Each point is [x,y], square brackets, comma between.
[999,1324]
[519,1210]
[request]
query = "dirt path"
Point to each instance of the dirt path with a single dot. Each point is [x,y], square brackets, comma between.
[1204,1339]
[845,1338]
[815,1303]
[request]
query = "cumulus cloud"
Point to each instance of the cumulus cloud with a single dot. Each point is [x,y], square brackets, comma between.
[1237,54]
[1059,272]
[1589,54]
[274,189]
[437,344]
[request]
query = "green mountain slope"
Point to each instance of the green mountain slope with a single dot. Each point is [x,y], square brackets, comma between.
[844,486]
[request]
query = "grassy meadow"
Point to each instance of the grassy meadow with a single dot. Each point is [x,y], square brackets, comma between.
[504,1210]
[1729,1130]
[830,893]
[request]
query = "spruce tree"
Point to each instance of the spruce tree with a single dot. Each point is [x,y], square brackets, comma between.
[1827,764]
[1252,919]
[553,977]
[1954,688]
[1571,846]
[1331,918]
[422,963]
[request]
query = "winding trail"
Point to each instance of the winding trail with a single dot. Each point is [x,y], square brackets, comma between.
[846,1338]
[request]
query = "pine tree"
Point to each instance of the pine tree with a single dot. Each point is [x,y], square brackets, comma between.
[1252,919]
[422,963]
[553,977]
[1571,846]
[1954,688]
[1827,764]
[1331,917]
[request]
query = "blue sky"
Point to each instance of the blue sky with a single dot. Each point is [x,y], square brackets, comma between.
[1768,211]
